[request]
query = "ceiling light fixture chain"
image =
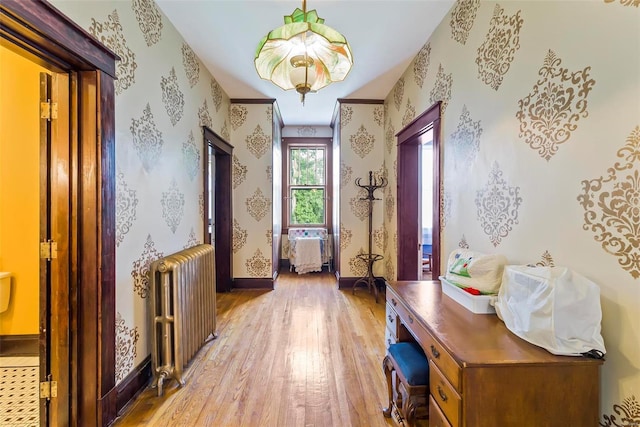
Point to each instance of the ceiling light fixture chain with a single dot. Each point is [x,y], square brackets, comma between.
[304,54]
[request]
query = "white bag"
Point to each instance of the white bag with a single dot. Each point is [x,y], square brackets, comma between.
[476,270]
[552,307]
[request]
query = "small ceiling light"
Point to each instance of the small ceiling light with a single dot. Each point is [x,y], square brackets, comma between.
[303,54]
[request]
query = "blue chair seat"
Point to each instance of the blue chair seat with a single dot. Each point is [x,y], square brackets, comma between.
[411,361]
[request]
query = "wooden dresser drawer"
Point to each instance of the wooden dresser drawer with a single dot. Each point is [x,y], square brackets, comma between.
[404,316]
[392,320]
[444,395]
[392,301]
[389,338]
[443,360]
[436,417]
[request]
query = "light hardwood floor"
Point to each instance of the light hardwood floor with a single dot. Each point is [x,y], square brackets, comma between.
[304,354]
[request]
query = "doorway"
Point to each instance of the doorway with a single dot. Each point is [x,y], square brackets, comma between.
[218,226]
[34,230]
[423,131]
[426,207]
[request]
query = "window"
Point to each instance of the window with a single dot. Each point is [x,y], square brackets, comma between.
[306,183]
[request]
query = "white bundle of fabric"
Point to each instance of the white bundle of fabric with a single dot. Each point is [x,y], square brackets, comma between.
[307,255]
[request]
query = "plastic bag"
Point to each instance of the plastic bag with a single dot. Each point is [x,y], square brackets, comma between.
[476,270]
[552,307]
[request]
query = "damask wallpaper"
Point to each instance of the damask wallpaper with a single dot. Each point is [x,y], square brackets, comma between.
[163,97]
[252,133]
[361,151]
[541,140]
[541,148]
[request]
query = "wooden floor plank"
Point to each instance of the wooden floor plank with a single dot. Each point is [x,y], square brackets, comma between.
[304,354]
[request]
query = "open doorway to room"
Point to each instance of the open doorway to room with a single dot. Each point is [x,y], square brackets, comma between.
[426,219]
[218,225]
[423,132]
[34,230]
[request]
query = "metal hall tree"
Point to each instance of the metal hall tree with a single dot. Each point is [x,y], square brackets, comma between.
[370,258]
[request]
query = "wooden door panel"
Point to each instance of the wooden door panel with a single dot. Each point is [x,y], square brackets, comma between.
[45,164]
[60,233]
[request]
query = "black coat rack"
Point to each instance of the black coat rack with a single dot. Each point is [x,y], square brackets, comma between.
[370,258]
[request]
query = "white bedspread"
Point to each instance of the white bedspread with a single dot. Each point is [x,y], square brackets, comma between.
[307,255]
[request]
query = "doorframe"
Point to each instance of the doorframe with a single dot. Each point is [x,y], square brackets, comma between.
[223,152]
[410,140]
[48,37]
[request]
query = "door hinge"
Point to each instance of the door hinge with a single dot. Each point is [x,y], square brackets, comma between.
[48,250]
[48,389]
[49,110]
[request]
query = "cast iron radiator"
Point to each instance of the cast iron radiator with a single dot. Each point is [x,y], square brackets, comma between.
[183,310]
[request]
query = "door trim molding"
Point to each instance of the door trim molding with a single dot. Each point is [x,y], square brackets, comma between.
[43,30]
[408,193]
[223,219]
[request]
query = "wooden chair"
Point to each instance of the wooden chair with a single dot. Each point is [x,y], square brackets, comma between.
[409,390]
[426,263]
[426,257]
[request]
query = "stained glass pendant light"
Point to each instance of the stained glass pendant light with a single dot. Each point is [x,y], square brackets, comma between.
[303,54]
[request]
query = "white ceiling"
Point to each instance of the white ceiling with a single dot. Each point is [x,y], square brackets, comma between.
[384,37]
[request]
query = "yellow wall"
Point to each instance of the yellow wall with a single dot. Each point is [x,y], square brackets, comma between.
[19,190]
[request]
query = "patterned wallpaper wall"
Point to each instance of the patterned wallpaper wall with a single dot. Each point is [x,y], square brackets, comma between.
[163,97]
[541,139]
[361,146]
[252,133]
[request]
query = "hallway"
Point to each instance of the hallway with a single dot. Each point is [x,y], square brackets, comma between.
[304,354]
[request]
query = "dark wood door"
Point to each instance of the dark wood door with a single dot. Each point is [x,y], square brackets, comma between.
[410,141]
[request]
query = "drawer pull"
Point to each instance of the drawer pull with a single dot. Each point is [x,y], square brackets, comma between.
[390,318]
[394,302]
[442,395]
[410,319]
[435,351]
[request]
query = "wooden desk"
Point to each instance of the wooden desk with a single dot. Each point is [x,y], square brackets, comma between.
[482,375]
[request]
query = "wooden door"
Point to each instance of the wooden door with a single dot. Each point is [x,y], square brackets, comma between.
[55,220]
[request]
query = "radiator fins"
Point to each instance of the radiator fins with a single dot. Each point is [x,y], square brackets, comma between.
[183,310]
